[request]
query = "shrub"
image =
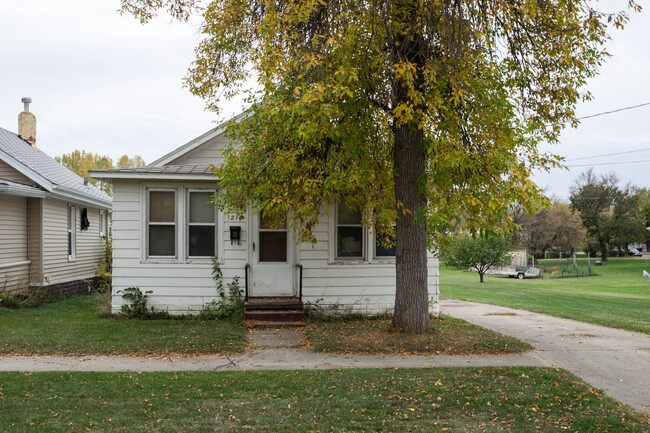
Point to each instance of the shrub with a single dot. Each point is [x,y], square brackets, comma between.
[227,306]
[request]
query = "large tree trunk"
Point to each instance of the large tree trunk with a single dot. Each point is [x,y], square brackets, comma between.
[411,294]
[409,159]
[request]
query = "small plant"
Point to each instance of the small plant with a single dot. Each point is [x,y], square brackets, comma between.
[227,306]
[137,308]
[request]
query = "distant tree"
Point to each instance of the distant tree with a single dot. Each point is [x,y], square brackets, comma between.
[611,216]
[81,163]
[556,228]
[480,253]
[126,162]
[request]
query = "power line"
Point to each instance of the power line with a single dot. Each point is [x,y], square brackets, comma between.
[614,111]
[609,154]
[609,163]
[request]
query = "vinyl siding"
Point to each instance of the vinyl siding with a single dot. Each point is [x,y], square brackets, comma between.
[180,286]
[7,172]
[184,286]
[13,242]
[89,246]
[207,153]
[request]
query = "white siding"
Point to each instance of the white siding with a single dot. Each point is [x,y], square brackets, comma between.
[366,287]
[89,246]
[207,153]
[13,242]
[179,285]
[184,286]
[7,172]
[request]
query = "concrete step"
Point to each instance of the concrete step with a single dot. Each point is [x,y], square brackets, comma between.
[259,324]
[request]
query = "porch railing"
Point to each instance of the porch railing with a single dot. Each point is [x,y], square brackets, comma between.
[299,266]
[246,268]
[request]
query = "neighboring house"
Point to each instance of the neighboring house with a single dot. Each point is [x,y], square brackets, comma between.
[51,220]
[165,233]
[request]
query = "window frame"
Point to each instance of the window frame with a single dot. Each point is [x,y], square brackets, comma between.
[148,223]
[72,232]
[188,223]
[103,223]
[364,237]
[373,247]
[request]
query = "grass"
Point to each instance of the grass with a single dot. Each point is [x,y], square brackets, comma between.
[75,326]
[447,336]
[419,400]
[617,297]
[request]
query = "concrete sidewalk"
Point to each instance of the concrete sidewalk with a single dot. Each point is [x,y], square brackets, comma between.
[614,360]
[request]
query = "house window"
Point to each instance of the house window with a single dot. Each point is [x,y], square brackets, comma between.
[72,238]
[102,223]
[161,223]
[349,233]
[273,241]
[383,251]
[201,230]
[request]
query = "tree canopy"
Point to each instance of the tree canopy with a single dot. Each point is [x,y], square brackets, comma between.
[424,114]
[478,253]
[81,162]
[612,216]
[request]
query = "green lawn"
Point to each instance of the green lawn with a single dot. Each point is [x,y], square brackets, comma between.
[396,400]
[447,336]
[618,296]
[74,326]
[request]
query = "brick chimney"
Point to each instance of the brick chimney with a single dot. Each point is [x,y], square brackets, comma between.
[27,124]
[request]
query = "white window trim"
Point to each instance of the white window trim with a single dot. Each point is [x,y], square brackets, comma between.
[103,223]
[72,232]
[372,245]
[217,252]
[147,223]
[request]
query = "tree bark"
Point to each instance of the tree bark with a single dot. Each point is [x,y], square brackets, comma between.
[411,292]
[409,159]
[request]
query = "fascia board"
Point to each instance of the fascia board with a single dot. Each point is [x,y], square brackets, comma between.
[109,177]
[26,171]
[22,191]
[71,195]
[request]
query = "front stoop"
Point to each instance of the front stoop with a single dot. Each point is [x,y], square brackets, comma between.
[274,312]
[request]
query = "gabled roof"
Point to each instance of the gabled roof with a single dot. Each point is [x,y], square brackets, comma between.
[48,174]
[184,172]
[190,146]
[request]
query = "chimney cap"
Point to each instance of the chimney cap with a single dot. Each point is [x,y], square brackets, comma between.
[26,100]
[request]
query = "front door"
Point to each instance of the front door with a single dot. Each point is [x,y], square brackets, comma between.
[273,261]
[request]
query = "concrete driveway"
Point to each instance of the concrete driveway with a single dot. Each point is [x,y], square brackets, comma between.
[614,360]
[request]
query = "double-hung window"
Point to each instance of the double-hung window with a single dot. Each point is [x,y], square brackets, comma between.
[201,225]
[72,238]
[349,233]
[161,224]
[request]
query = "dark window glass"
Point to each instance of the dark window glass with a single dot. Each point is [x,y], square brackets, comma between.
[162,240]
[349,241]
[161,206]
[273,246]
[201,241]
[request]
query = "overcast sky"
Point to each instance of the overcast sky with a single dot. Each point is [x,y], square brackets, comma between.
[104,83]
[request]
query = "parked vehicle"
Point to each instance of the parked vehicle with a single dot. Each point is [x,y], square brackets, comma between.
[634,252]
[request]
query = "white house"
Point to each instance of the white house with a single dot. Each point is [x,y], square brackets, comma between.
[165,233]
[51,220]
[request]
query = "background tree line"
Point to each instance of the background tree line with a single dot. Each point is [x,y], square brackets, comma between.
[81,163]
[602,217]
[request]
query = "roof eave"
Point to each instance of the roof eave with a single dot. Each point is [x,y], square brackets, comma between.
[20,191]
[71,195]
[26,171]
[110,177]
